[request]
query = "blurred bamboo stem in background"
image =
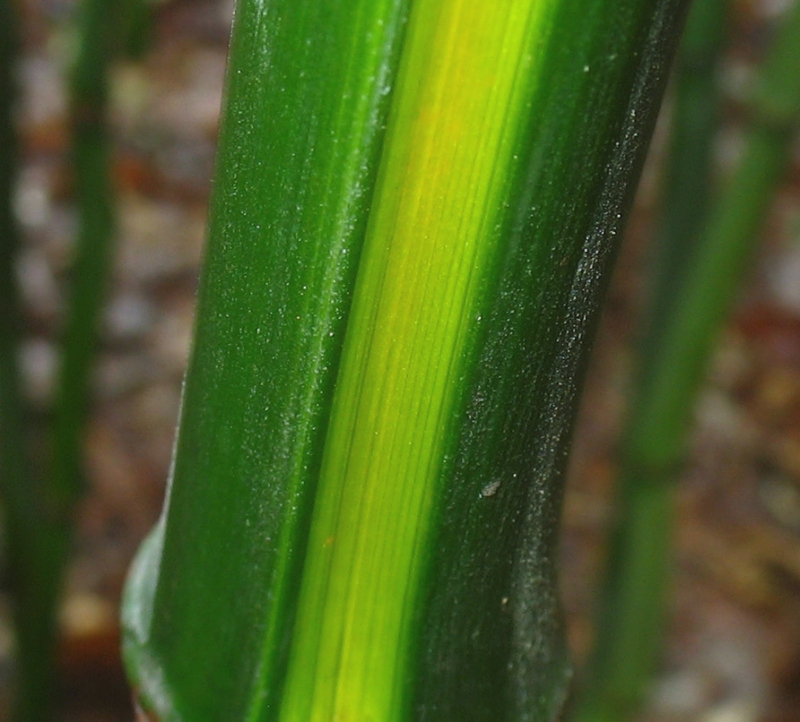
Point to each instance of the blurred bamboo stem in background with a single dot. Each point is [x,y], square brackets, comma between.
[93,252]
[689,172]
[39,511]
[25,546]
[695,291]
[97,26]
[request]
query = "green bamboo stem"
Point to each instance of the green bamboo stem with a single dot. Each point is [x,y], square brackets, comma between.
[413,223]
[13,463]
[93,249]
[676,356]
[726,245]
[27,543]
[40,513]
[136,21]
[689,175]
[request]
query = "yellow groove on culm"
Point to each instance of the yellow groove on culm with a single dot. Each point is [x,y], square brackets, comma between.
[468,74]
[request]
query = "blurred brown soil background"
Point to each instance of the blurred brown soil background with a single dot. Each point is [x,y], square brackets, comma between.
[733,646]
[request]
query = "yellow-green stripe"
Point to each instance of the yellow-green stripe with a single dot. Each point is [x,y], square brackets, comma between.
[468,71]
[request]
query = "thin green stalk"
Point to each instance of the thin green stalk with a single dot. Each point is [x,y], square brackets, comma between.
[26,552]
[93,247]
[676,357]
[413,223]
[689,175]
[136,21]
[727,242]
[40,512]
[27,542]
[13,463]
